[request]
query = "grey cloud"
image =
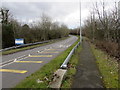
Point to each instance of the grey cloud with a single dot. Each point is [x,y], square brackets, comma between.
[25,11]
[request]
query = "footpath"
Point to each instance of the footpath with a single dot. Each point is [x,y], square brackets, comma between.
[87,75]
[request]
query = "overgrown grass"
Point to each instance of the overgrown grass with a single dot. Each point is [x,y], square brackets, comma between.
[67,82]
[108,68]
[45,73]
[29,47]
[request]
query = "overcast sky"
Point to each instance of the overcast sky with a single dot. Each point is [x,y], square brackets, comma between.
[63,11]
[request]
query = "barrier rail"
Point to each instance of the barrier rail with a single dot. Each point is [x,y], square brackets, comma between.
[25,45]
[64,65]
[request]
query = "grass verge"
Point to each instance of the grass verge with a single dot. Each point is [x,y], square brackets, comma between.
[108,68]
[67,82]
[29,47]
[42,77]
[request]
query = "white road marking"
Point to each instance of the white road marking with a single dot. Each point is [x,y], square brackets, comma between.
[14,60]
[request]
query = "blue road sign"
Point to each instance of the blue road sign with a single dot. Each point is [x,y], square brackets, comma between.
[19,41]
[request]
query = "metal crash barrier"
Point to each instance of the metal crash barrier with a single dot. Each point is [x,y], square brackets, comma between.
[64,65]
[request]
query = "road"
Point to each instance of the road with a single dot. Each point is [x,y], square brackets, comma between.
[30,61]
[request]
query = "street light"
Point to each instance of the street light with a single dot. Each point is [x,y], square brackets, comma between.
[80,22]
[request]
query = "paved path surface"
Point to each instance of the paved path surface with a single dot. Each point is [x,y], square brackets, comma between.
[87,75]
[19,69]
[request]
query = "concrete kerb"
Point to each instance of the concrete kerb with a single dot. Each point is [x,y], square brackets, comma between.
[57,78]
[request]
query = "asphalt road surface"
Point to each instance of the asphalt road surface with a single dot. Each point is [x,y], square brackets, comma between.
[87,75]
[27,62]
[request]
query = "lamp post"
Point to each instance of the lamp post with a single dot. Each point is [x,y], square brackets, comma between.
[80,22]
